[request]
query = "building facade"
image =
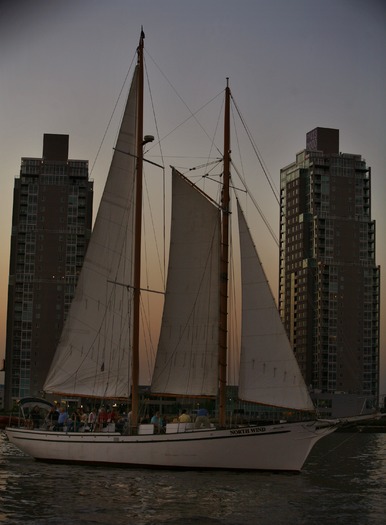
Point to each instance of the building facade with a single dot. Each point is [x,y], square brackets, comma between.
[329,284]
[51,227]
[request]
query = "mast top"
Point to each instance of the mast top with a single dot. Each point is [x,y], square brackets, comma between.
[141,40]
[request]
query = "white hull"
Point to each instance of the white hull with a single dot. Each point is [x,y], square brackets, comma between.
[275,447]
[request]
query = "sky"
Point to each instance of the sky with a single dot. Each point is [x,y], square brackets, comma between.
[293,65]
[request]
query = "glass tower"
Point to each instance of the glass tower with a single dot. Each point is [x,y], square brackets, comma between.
[329,283]
[51,227]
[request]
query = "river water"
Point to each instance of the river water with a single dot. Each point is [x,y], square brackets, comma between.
[343,482]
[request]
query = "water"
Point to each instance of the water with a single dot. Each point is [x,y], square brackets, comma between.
[343,482]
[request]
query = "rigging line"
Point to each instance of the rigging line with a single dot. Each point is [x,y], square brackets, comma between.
[143,308]
[240,156]
[187,157]
[163,176]
[238,143]
[216,162]
[234,330]
[152,221]
[200,166]
[213,163]
[148,342]
[136,157]
[112,114]
[192,114]
[208,175]
[129,287]
[154,115]
[265,220]
[331,450]
[212,144]
[258,155]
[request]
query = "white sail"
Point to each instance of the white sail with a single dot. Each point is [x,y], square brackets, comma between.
[93,355]
[269,373]
[187,357]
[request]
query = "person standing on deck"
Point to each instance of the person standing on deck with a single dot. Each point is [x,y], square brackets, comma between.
[184,417]
[202,419]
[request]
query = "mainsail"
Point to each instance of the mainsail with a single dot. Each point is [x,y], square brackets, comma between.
[269,373]
[93,355]
[187,356]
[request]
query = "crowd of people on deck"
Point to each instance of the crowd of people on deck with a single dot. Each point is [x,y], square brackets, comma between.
[201,420]
[78,419]
[106,418]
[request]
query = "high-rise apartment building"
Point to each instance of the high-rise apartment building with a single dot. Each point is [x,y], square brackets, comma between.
[51,227]
[329,281]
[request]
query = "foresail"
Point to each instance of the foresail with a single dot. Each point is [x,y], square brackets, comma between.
[93,355]
[269,373]
[187,356]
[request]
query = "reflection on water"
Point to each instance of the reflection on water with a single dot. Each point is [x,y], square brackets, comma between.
[343,482]
[350,469]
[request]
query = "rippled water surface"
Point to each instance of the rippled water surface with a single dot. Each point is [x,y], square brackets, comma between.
[343,482]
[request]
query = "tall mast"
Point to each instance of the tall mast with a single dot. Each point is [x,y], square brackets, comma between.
[223,338]
[138,235]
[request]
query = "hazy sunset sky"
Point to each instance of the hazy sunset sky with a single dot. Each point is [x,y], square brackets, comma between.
[293,65]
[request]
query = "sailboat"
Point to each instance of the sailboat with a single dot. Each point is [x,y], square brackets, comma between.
[104,320]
